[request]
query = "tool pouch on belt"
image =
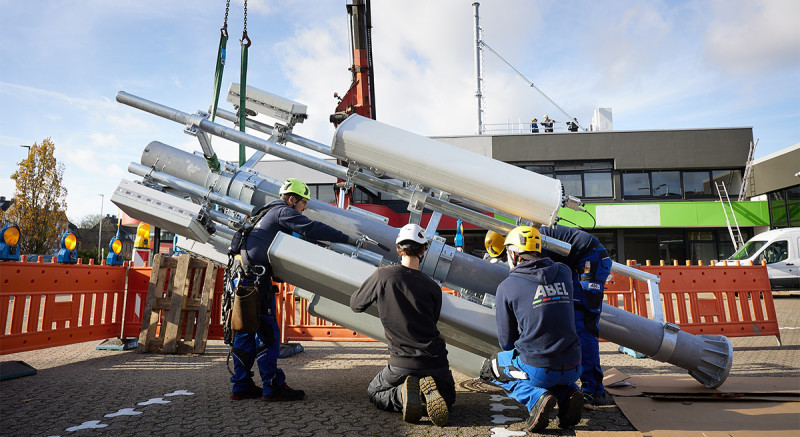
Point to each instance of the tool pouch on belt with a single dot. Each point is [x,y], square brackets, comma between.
[244,317]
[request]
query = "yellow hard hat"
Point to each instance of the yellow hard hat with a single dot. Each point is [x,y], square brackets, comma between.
[524,239]
[494,243]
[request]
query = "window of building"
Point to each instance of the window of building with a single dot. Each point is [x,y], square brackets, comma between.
[323,192]
[672,247]
[598,184]
[573,185]
[674,184]
[697,184]
[732,180]
[666,184]
[609,240]
[636,184]
[702,246]
[784,207]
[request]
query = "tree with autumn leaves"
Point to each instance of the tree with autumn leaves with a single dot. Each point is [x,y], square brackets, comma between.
[40,200]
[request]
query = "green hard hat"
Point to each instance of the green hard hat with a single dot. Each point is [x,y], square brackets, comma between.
[295,186]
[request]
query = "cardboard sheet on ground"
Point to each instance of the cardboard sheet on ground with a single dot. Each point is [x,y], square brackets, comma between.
[678,405]
[711,418]
[735,387]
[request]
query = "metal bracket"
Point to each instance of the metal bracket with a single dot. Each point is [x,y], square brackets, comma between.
[438,259]
[433,223]
[416,205]
[193,124]
[668,342]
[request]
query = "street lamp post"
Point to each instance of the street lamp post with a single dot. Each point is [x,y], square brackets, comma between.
[100,232]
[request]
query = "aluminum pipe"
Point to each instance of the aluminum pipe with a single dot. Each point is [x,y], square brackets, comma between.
[707,358]
[320,165]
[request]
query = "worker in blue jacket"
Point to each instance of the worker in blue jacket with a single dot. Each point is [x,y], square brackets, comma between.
[541,358]
[284,215]
[590,265]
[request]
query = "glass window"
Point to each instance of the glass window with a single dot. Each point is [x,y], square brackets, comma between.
[775,252]
[325,193]
[732,180]
[636,184]
[546,170]
[609,240]
[598,184]
[671,247]
[572,183]
[666,183]
[697,183]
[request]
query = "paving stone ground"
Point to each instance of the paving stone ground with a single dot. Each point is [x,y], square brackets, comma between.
[78,384]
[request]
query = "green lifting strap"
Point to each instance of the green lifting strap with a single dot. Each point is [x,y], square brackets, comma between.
[242,97]
[213,162]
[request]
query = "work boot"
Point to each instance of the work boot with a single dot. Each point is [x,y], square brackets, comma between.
[412,404]
[595,398]
[434,402]
[254,392]
[539,416]
[284,393]
[569,411]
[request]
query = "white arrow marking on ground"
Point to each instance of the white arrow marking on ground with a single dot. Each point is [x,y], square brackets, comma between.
[87,425]
[124,412]
[154,401]
[501,419]
[502,432]
[501,407]
[180,393]
[498,398]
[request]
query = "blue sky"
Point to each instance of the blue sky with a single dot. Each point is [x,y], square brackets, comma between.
[657,64]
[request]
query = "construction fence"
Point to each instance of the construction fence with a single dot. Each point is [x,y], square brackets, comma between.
[47,304]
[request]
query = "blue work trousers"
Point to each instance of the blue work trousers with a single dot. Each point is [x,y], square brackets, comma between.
[262,347]
[588,298]
[540,380]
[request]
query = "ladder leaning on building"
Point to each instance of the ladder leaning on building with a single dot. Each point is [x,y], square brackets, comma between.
[730,215]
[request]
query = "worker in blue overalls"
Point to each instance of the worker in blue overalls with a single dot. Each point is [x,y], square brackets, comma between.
[263,346]
[541,358]
[590,265]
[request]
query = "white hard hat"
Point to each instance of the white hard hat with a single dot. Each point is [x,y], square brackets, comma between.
[411,232]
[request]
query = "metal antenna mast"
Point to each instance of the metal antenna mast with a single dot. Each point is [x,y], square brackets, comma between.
[478,60]
[479,44]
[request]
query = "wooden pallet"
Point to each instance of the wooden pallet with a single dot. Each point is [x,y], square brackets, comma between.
[177,312]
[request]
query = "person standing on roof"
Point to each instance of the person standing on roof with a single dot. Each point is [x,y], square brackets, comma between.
[263,346]
[409,304]
[534,126]
[536,330]
[547,124]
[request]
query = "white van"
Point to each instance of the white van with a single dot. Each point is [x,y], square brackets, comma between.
[781,250]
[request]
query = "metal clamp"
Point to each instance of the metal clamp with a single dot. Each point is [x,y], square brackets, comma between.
[438,259]
[193,122]
[668,342]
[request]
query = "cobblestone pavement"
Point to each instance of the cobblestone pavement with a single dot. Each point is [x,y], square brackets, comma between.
[150,394]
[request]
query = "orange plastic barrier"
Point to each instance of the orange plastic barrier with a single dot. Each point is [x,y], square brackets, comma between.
[298,325]
[734,301]
[48,304]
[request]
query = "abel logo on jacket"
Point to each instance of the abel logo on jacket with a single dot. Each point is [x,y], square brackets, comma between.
[550,293]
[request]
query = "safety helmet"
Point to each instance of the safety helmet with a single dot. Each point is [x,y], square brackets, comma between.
[524,239]
[411,232]
[494,243]
[546,116]
[295,186]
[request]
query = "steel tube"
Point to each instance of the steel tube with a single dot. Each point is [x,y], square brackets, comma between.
[320,165]
[190,188]
[707,358]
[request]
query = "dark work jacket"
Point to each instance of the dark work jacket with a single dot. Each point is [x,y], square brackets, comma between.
[283,218]
[534,314]
[583,243]
[409,304]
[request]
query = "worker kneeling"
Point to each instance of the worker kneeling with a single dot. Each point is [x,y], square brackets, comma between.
[541,355]
[417,380]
